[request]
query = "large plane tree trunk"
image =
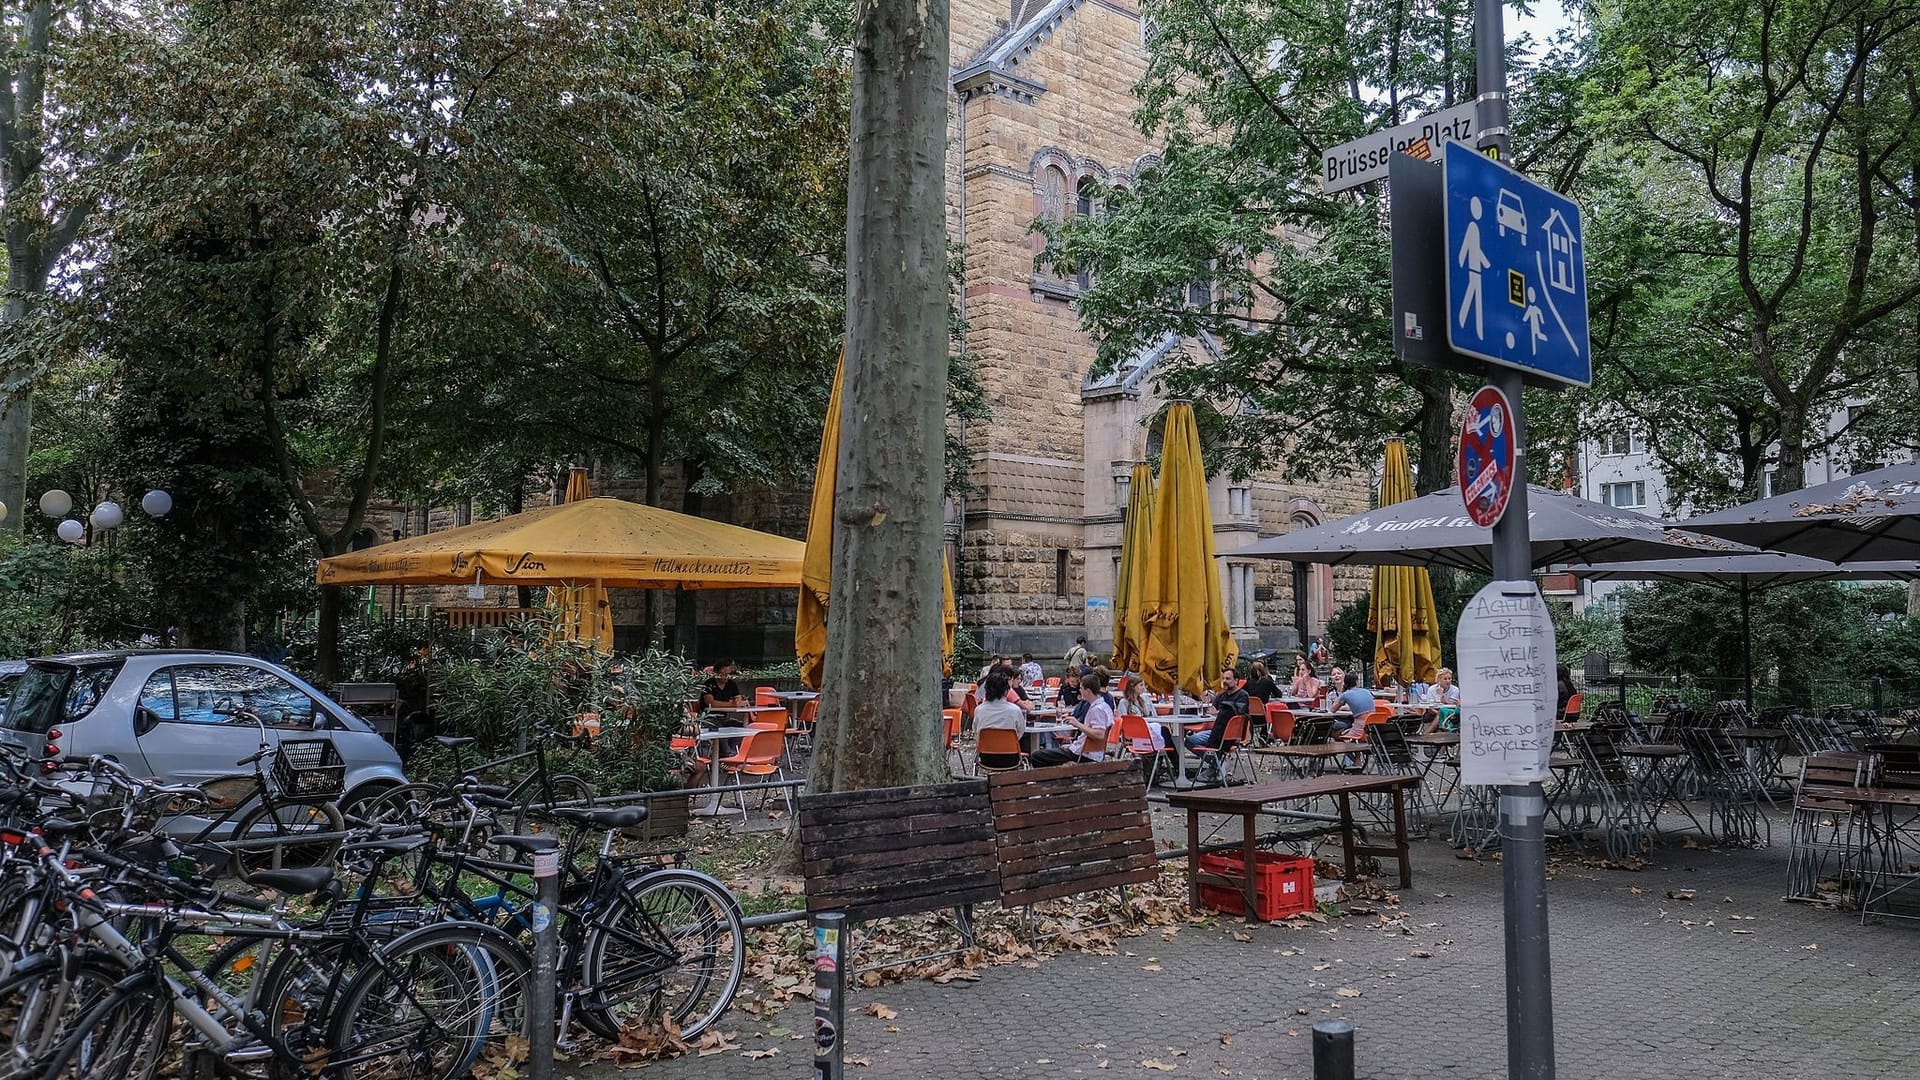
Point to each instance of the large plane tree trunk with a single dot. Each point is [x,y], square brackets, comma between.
[879,716]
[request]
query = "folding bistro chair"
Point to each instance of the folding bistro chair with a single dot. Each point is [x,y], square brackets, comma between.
[1000,743]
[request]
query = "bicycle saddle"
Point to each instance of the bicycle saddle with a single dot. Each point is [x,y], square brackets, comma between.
[295,881]
[451,741]
[527,845]
[609,817]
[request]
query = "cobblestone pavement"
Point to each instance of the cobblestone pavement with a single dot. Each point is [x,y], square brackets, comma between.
[1731,985]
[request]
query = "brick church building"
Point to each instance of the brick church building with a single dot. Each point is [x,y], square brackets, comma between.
[1042,113]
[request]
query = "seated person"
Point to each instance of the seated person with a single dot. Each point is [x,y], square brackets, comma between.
[1135,702]
[1069,690]
[995,711]
[1357,701]
[1260,684]
[1229,702]
[1332,688]
[1091,746]
[1305,684]
[1442,692]
[1030,672]
[720,691]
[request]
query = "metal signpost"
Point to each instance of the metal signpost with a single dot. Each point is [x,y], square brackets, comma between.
[1523,807]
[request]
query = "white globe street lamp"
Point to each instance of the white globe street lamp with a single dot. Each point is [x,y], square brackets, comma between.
[156,503]
[107,516]
[56,503]
[72,531]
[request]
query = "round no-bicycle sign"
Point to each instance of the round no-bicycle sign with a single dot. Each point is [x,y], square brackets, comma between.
[1486,456]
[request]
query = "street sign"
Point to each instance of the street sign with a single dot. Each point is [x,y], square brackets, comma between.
[1486,464]
[1365,159]
[1418,233]
[1516,270]
[1505,653]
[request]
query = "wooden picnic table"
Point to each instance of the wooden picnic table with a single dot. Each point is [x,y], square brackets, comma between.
[1250,800]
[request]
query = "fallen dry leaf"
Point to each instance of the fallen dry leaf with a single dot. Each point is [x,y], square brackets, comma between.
[863,1062]
[881,1011]
[1347,992]
[1679,894]
[1156,1064]
[757,1055]
[957,975]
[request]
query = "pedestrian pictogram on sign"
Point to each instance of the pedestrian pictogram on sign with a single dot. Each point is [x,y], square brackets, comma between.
[1487,453]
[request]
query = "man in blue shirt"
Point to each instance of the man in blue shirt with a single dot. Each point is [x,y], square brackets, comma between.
[1355,699]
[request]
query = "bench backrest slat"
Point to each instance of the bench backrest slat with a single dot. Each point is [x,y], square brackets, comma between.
[1071,829]
[898,851]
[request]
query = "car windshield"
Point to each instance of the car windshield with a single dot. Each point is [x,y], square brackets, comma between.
[52,694]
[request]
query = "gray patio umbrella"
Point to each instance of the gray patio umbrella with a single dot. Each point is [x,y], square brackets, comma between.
[1746,575]
[1875,515]
[1434,530]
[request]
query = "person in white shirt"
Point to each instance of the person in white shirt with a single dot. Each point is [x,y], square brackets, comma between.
[998,712]
[1030,673]
[1091,746]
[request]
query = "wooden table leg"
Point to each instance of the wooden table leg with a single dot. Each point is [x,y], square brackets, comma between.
[1346,833]
[1193,859]
[1400,836]
[1251,883]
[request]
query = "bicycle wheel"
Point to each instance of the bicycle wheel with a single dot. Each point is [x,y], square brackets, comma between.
[428,1006]
[410,804]
[565,788]
[43,999]
[125,1036]
[284,821]
[671,947]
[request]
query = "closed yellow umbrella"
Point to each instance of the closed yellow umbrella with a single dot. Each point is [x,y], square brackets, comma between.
[1129,633]
[616,543]
[1187,640]
[1402,615]
[584,613]
[816,575]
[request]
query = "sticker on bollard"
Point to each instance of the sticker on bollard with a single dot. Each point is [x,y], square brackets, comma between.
[829,995]
[542,918]
[546,864]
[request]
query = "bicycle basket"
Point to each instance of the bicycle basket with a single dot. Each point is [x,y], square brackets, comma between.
[309,767]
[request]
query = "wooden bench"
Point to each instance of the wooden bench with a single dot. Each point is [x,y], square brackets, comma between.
[1250,801]
[1071,829]
[900,851]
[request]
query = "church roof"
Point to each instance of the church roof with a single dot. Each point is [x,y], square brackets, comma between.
[1126,376]
[997,69]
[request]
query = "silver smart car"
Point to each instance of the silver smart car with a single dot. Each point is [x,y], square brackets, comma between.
[184,717]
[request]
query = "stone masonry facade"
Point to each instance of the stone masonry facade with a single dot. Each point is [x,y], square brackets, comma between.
[1042,114]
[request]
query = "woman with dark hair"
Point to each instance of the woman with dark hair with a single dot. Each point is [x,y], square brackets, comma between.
[1567,690]
[1260,684]
[998,712]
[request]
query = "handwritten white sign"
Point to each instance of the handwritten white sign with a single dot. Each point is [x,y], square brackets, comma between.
[1506,672]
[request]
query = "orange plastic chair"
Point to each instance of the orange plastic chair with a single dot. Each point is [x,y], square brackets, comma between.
[1231,742]
[1000,743]
[951,719]
[1572,715]
[1280,721]
[759,755]
[1257,714]
[1358,732]
[763,695]
[1131,736]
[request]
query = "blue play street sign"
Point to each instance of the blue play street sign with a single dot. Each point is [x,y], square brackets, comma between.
[1516,270]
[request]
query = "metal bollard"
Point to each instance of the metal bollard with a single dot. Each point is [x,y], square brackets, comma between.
[546,955]
[829,995]
[1333,1050]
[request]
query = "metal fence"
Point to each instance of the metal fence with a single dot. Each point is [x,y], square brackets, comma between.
[1641,692]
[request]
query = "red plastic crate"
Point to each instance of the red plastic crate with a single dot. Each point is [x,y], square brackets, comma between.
[1283,885]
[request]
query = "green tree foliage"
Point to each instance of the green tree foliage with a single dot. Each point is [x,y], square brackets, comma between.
[1750,189]
[1800,632]
[1230,236]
